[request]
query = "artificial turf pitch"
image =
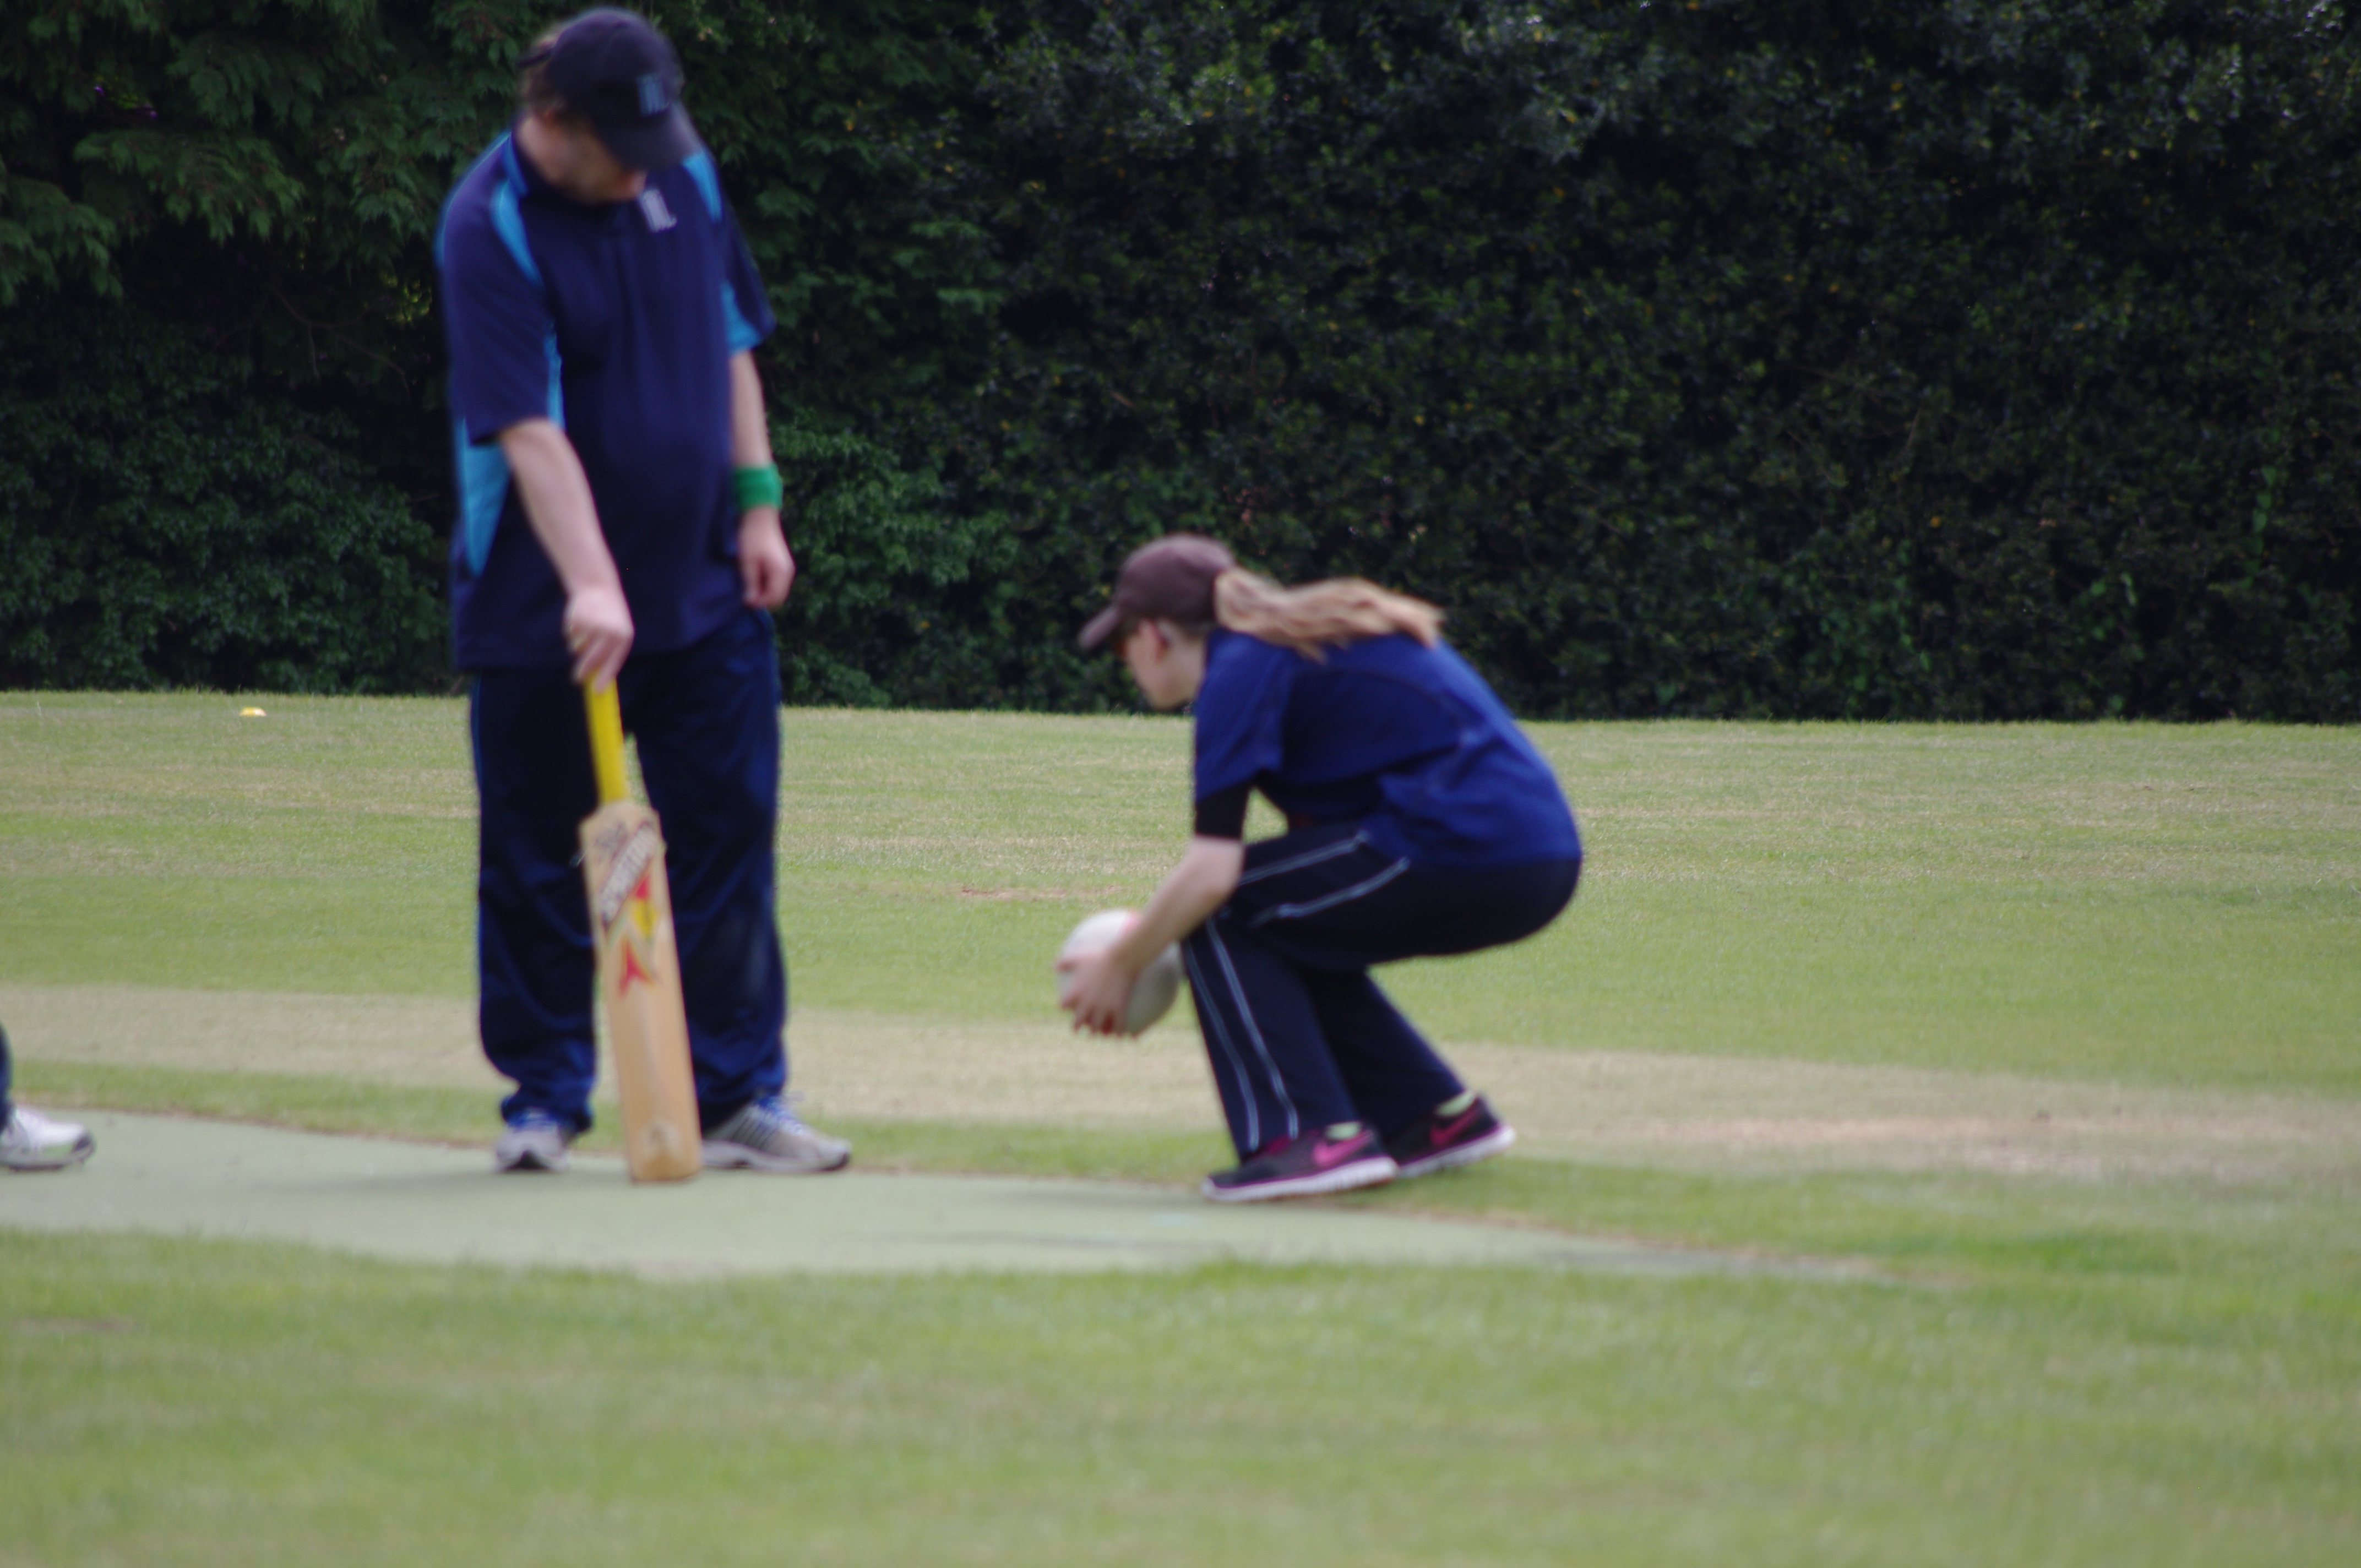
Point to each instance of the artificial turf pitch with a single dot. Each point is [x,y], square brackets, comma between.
[2071,1356]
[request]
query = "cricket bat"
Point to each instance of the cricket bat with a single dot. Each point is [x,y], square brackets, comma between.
[639,970]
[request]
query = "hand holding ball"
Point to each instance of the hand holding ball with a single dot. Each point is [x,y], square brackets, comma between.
[1151,994]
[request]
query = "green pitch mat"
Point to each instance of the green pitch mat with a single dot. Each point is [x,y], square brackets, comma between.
[424,1204]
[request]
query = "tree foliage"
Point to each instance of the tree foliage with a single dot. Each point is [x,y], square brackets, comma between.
[1989,359]
[165,522]
[1873,359]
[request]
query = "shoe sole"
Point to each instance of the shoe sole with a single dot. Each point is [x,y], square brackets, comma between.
[1485,1147]
[530,1165]
[1343,1178]
[41,1164]
[738,1157]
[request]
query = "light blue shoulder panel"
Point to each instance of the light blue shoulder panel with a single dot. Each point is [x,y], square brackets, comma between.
[507,221]
[743,336]
[483,469]
[709,182]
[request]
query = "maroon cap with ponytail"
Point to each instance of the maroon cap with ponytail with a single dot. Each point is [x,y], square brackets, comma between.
[1196,583]
[1170,579]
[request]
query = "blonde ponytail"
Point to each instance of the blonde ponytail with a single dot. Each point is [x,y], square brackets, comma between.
[1319,616]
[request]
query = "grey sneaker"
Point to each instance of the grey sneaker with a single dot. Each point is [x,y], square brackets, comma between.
[31,1141]
[766,1135]
[534,1140]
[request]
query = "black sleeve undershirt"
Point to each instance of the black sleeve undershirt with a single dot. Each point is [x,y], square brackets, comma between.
[1224,815]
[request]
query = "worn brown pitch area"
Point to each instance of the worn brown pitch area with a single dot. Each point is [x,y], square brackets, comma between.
[1617,1107]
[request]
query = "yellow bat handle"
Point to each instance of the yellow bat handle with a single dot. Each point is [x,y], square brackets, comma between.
[606,741]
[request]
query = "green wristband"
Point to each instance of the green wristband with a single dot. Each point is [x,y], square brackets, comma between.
[759,487]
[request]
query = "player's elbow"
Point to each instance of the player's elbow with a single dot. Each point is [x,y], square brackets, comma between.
[1214,866]
[529,434]
[536,449]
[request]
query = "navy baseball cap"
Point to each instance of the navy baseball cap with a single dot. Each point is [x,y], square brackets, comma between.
[613,68]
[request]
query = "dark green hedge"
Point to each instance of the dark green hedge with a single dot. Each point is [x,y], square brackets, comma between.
[165,522]
[1876,360]
[1869,359]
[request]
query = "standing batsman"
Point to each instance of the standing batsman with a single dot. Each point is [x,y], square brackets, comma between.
[619,520]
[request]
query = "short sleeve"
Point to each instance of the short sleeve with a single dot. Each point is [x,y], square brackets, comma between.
[1241,711]
[744,301]
[498,327]
[1223,816]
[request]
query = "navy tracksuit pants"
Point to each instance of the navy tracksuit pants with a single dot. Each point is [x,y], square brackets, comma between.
[706,721]
[1300,1036]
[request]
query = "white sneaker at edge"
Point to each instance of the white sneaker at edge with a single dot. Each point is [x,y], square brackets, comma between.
[33,1142]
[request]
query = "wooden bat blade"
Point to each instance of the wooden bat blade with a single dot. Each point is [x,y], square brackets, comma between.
[639,981]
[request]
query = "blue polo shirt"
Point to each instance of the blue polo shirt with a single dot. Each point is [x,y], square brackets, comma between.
[1404,738]
[618,321]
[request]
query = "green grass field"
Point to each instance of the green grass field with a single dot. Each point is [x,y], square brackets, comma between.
[2054,1360]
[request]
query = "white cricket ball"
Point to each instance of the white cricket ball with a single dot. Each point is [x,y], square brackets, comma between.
[1151,994]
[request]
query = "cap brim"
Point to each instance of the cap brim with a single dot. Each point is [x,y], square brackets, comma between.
[1099,628]
[659,143]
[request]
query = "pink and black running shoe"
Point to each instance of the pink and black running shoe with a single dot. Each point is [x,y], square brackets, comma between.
[1332,1159]
[1458,1132]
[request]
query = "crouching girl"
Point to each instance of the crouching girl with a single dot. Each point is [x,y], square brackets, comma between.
[1420,821]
